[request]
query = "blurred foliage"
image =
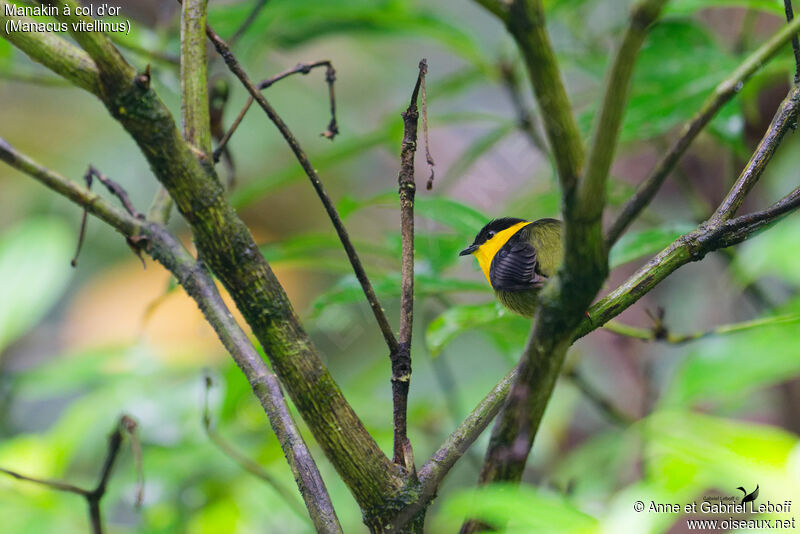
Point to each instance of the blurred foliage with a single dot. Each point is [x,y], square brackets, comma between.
[77,349]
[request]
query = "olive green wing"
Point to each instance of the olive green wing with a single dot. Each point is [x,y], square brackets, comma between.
[546,237]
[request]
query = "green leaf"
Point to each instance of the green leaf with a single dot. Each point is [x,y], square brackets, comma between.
[465,220]
[669,84]
[475,150]
[507,330]
[5,54]
[772,253]
[635,245]
[290,24]
[729,368]
[321,252]
[34,271]
[689,449]
[525,508]
[348,290]
[689,7]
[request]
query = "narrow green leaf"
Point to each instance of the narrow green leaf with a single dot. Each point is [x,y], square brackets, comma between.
[475,150]
[34,271]
[635,245]
[526,509]
[729,368]
[689,7]
[488,318]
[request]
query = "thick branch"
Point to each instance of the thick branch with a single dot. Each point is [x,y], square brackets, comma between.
[712,235]
[199,284]
[53,52]
[722,94]
[584,269]
[115,73]
[226,245]
[612,110]
[525,22]
[194,78]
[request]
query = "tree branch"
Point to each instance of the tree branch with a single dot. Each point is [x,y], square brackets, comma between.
[665,335]
[194,77]
[225,244]
[525,21]
[115,73]
[198,283]
[601,403]
[787,4]
[94,496]
[525,119]
[233,64]
[606,134]
[714,234]
[566,296]
[55,53]
[722,94]
[438,466]
[300,68]
[247,22]
[784,119]
[401,358]
[249,465]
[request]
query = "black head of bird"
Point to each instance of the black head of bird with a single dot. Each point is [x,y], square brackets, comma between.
[517,257]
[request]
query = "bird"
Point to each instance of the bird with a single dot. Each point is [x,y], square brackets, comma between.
[517,257]
[748,497]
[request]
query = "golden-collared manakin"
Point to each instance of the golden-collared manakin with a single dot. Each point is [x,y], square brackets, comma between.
[517,257]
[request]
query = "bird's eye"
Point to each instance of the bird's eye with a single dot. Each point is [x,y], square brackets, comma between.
[490,234]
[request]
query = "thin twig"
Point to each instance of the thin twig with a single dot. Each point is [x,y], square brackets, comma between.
[53,484]
[300,68]
[784,120]
[93,496]
[156,55]
[401,359]
[130,426]
[787,5]
[114,188]
[723,93]
[246,463]
[525,119]
[247,22]
[666,336]
[603,405]
[344,237]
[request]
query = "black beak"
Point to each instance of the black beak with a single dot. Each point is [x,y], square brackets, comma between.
[469,250]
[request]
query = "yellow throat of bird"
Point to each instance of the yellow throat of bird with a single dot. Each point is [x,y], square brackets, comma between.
[485,253]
